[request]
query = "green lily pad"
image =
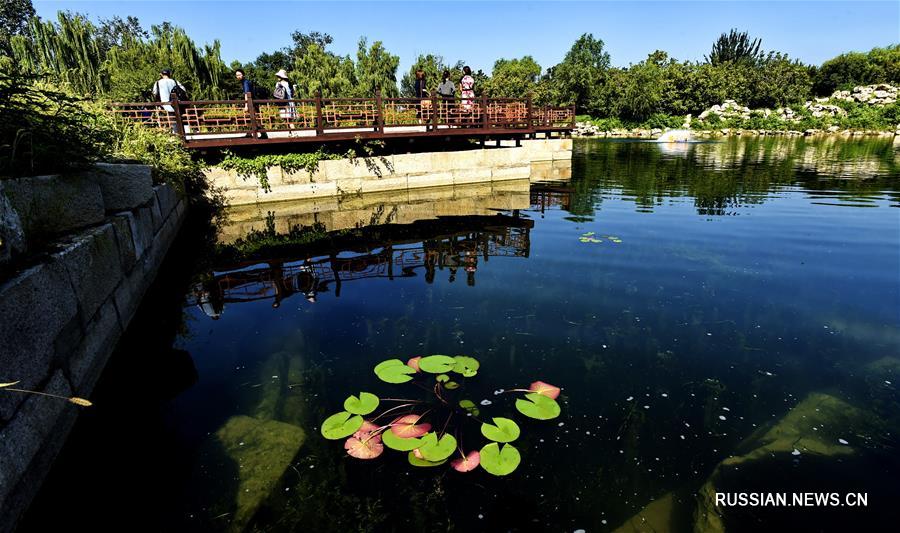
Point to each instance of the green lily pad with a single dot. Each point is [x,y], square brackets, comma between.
[394,371]
[362,405]
[467,404]
[450,385]
[465,365]
[434,449]
[502,430]
[500,461]
[442,378]
[436,364]
[396,443]
[538,406]
[341,425]
[415,461]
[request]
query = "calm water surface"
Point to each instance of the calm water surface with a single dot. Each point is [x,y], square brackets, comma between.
[744,335]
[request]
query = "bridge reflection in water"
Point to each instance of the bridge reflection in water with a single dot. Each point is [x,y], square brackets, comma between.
[457,247]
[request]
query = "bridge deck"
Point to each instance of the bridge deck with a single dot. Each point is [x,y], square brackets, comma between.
[223,123]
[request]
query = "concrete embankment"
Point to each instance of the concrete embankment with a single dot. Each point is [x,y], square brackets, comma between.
[102,236]
[398,173]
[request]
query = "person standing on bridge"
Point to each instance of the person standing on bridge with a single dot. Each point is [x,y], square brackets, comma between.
[247,90]
[283,91]
[421,90]
[164,89]
[447,90]
[467,89]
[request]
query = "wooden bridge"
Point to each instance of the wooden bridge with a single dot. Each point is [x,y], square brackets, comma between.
[229,123]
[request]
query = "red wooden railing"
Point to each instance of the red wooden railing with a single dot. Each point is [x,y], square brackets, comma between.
[204,121]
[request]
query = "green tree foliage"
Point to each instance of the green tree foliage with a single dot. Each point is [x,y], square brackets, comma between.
[878,65]
[14,16]
[46,129]
[319,70]
[513,78]
[433,66]
[735,47]
[376,69]
[581,72]
[117,59]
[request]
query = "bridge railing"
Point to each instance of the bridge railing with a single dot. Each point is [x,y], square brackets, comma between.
[369,117]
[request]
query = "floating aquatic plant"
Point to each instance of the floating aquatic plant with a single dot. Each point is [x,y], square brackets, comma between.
[589,238]
[408,428]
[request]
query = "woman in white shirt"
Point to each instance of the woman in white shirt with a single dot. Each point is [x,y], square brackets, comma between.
[283,92]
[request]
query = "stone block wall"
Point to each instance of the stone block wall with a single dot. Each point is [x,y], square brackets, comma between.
[395,173]
[62,315]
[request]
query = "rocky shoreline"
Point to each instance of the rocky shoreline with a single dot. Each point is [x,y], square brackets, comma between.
[707,123]
[587,130]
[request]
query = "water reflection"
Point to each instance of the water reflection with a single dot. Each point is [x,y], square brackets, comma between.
[425,246]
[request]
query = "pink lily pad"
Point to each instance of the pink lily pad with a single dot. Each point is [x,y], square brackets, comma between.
[414,363]
[365,448]
[407,427]
[467,463]
[545,389]
[365,430]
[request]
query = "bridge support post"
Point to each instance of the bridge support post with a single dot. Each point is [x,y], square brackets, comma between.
[435,110]
[379,110]
[179,120]
[251,109]
[320,124]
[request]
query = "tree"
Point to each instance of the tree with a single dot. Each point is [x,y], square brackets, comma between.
[779,81]
[318,70]
[376,69]
[879,65]
[302,41]
[735,47]
[119,32]
[14,16]
[513,78]
[581,72]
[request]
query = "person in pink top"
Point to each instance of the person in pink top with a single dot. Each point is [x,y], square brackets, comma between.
[467,89]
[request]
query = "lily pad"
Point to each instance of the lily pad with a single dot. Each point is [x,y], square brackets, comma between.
[442,378]
[415,461]
[414,362]
[394,371]
[437,364]
[502,430]
[545,389]
[341,425]
[468,462]
[362,405]
[450,385]
[408,426]
[364,448]
[465,365]
[499,461]
[538,406]
[394,442]
[434,449]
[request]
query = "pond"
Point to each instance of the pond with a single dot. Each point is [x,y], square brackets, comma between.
[720,317]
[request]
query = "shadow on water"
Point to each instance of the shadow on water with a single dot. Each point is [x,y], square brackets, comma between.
[729,326]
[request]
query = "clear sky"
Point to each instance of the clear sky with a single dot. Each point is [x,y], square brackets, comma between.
[480,32]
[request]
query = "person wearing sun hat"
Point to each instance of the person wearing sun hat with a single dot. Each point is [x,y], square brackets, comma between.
[283,92]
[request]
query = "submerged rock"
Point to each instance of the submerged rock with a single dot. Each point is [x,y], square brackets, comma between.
[256,453]
[815,428]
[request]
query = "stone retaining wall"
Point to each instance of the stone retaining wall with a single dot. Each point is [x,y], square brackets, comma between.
[395,173]
[61,317]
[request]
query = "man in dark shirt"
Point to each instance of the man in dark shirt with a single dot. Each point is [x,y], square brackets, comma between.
[247,89]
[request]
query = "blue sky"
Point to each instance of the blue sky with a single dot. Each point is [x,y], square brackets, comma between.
[480,32]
